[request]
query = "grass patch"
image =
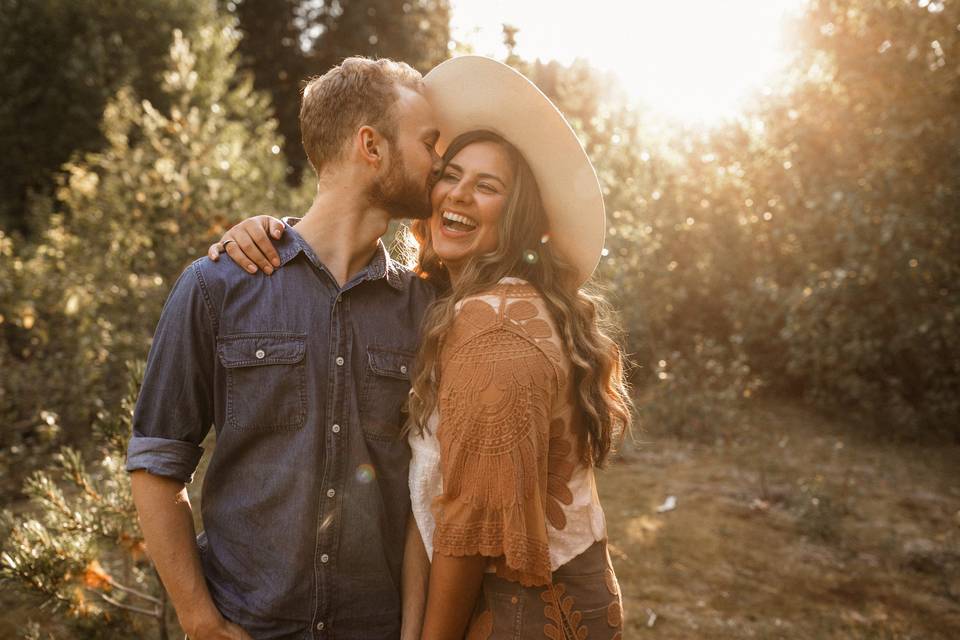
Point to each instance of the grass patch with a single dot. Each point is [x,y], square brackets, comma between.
[786,526]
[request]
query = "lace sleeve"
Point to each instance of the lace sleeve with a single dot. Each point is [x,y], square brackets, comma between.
[497,388]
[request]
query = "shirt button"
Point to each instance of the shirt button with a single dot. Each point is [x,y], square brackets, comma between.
[324,558]
[260,354]
[331,493]
[339,361]
[403,368]
[320,626]
[335,428]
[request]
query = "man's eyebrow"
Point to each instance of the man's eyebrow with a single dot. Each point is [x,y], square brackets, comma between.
[479,175]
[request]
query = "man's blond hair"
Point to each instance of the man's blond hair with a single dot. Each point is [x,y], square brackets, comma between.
[358,91]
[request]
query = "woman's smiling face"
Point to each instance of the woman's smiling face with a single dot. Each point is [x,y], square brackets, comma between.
[468,202]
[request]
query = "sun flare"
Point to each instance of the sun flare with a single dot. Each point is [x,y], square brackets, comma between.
[695,60]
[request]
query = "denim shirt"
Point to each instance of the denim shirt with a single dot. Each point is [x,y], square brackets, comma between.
[305,501]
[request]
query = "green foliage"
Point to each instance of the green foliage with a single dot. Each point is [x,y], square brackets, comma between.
[697,393]
[873,319]
[812,243]
[62,60]
[85,298]
[820,513]
[79,547]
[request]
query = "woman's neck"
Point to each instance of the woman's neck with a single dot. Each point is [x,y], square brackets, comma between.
[454,274]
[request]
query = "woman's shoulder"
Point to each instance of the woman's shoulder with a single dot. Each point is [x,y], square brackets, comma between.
[514,287]
[510,298]
[511,308]
[506,290]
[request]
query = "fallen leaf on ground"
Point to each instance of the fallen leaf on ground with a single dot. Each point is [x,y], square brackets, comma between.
[668,505]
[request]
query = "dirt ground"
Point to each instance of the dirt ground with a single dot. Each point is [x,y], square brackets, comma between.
[790,527]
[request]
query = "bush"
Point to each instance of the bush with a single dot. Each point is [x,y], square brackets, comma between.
[79,548]
[86,297]
[816,238]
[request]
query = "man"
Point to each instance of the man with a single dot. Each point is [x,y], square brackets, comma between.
[303,374]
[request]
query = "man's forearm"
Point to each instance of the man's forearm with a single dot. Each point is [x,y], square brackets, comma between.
[415,577]
[167,522]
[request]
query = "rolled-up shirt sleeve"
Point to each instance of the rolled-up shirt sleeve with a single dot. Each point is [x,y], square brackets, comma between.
[174,410]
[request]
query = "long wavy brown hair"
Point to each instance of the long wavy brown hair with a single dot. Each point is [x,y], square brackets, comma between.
[583,318]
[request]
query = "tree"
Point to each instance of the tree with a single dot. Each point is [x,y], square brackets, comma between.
[62,61]
[809,245]
[272,49]
[872,138]
[812,243]
[86,297]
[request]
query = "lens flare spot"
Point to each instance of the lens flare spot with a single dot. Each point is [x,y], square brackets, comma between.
[366,474]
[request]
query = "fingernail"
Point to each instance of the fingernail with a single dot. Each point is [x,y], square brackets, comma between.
[276,233]
[251,268]
[276,262]
[268,270]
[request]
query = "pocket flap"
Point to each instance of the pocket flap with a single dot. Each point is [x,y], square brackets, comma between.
[386,362]
[254,349]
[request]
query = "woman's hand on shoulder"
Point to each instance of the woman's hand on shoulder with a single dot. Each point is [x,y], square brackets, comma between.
[249,244]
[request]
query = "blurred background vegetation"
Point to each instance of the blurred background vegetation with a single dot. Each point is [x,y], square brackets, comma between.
[808,248]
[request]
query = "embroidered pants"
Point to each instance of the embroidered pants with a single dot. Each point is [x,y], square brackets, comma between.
[582,601]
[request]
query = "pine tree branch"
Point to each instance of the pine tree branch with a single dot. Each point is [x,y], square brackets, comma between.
[153,613]
[134,592]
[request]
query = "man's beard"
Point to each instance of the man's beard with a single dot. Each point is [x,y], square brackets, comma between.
[399,195]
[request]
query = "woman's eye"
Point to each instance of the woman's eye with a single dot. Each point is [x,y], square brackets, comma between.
[450,177]
[486,187]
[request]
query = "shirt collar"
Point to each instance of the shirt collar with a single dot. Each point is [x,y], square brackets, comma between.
[380,266]
[383,266]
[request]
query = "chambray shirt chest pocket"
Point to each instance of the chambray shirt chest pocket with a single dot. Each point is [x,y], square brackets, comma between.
[386,384]
[265,380]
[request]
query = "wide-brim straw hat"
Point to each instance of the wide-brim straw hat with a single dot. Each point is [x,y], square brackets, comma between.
[475,92]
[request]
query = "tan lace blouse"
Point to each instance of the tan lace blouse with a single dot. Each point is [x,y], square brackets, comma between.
[498,471]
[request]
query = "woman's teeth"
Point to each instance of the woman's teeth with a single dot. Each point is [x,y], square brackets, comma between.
[458,222]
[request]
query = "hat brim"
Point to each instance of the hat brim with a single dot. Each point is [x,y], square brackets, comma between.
[475,92]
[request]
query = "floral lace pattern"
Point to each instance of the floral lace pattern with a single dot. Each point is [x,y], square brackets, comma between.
[510,483]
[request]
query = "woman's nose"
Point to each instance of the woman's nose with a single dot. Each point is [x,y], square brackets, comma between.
[460,192]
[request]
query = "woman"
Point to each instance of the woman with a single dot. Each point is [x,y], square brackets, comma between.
[517,394]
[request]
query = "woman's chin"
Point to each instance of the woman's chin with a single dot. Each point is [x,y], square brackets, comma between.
[450,257]
[450,249]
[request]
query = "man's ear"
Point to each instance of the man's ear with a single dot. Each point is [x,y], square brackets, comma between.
[371,146]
